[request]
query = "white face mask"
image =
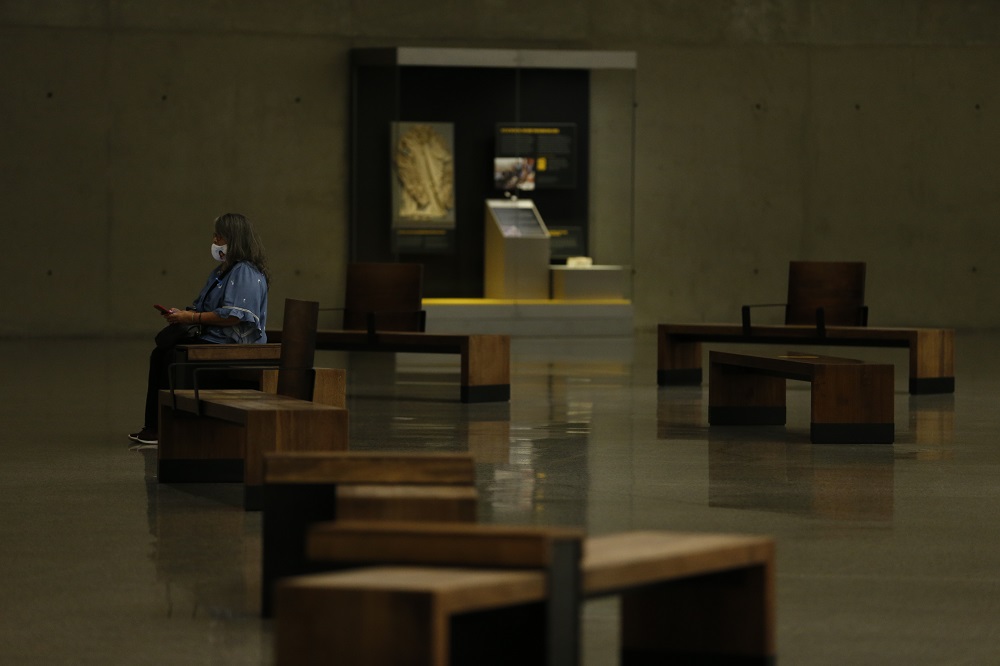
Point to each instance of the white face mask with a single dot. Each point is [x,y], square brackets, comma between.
[219,252]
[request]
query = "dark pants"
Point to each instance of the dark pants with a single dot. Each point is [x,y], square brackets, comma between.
[159,378]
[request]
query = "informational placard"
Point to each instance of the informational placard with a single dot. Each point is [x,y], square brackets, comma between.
[519,222]
[423,241]
[535,156]
[566,242]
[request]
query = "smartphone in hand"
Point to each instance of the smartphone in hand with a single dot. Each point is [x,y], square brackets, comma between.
[163,310]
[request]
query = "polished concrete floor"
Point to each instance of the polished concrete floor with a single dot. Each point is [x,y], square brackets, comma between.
[887,554]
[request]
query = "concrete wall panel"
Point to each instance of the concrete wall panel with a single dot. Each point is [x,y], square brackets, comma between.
[765,131]
[900,175]
[54,235]
[720,177]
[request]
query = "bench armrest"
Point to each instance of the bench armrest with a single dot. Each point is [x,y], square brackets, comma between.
[745,313]
[205,367]
[820,317]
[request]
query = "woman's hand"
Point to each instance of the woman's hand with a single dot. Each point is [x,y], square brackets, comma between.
[181,316]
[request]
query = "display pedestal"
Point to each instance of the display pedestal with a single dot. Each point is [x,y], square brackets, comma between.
[588,282]
[517,251]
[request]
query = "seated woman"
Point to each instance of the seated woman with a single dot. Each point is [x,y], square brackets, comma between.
[231,308]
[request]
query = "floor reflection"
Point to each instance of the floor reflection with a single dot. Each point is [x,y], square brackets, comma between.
[838,482]
[546,475]
[932,422]
[205,548]
[776,468]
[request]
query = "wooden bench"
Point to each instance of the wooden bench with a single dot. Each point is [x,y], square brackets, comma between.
[485,359]
[852,401]
[301,489]
[932,350]
[194,361]
[485,369]
[697,598]
[221,436]
[555,551]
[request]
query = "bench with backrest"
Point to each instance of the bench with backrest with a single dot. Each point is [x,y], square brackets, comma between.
[383,313]
[301,489]
[459,594]
[825,307]
[485,358]
[851,401]
[221,435]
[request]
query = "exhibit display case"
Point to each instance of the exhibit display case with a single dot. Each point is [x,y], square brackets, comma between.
[436,134]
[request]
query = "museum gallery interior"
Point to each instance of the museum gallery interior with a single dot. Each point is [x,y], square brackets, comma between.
[629,334]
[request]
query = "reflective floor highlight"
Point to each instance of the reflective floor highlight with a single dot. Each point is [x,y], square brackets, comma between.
[887,554]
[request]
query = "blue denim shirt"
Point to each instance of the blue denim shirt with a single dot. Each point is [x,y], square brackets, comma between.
[241,293]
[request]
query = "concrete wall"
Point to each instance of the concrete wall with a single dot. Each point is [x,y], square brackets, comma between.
[766,130]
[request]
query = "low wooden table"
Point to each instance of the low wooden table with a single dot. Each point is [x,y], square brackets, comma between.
[852,401]
[932,350]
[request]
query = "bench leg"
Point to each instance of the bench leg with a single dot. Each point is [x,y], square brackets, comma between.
[287,512]
[678,361]
[721,618]
[932,361]
[334,626]
[853,404]
[486,369]
[738,396]
[198,450]
[287,431]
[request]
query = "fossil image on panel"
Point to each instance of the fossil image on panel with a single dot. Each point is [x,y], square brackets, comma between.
[425,175]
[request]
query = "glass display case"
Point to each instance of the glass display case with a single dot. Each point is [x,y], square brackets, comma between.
[436,133]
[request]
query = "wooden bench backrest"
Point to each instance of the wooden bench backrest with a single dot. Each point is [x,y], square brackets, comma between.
[298,349]
[384,297]
[836,286]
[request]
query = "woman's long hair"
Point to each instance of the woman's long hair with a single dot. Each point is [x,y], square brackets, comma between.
[242,243]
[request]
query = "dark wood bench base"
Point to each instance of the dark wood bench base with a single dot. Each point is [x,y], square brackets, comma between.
[685,377]
[180,470]
[493,393]
[920,385]
[851,401]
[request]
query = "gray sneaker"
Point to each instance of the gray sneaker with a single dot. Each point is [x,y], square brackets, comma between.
[145,436]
